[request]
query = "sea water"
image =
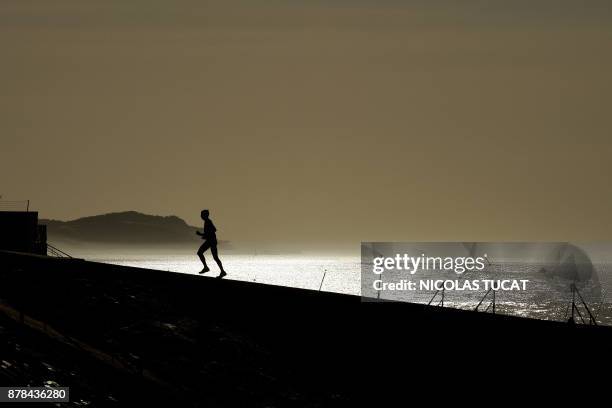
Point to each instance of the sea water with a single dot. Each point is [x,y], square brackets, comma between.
[327,273]
[545,298]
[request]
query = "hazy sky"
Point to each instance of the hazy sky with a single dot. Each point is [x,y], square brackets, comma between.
[314,121]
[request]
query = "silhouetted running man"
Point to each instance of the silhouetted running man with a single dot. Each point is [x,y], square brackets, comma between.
[210,241]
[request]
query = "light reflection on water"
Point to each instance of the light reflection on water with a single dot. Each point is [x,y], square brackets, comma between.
[545,298]
[301,271]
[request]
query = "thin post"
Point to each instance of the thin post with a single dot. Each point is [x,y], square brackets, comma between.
[322,280]
[579,314]
[591,318]
[432,298]
[573,301]
[493,302]
[481,300]
[28,206]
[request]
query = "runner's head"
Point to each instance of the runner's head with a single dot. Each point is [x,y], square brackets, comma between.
[204,214]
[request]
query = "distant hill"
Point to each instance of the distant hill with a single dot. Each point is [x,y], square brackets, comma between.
[128,227]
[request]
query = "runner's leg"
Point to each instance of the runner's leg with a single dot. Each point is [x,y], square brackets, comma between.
[215,254]
[201,251]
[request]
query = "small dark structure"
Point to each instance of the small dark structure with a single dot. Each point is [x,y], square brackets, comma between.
[20,232]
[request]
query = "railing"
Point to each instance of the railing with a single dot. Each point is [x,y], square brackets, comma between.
[491,305]
[56,252]
[441,302]
[576,310]
[19,205]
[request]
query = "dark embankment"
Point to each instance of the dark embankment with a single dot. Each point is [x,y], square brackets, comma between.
[153,336]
